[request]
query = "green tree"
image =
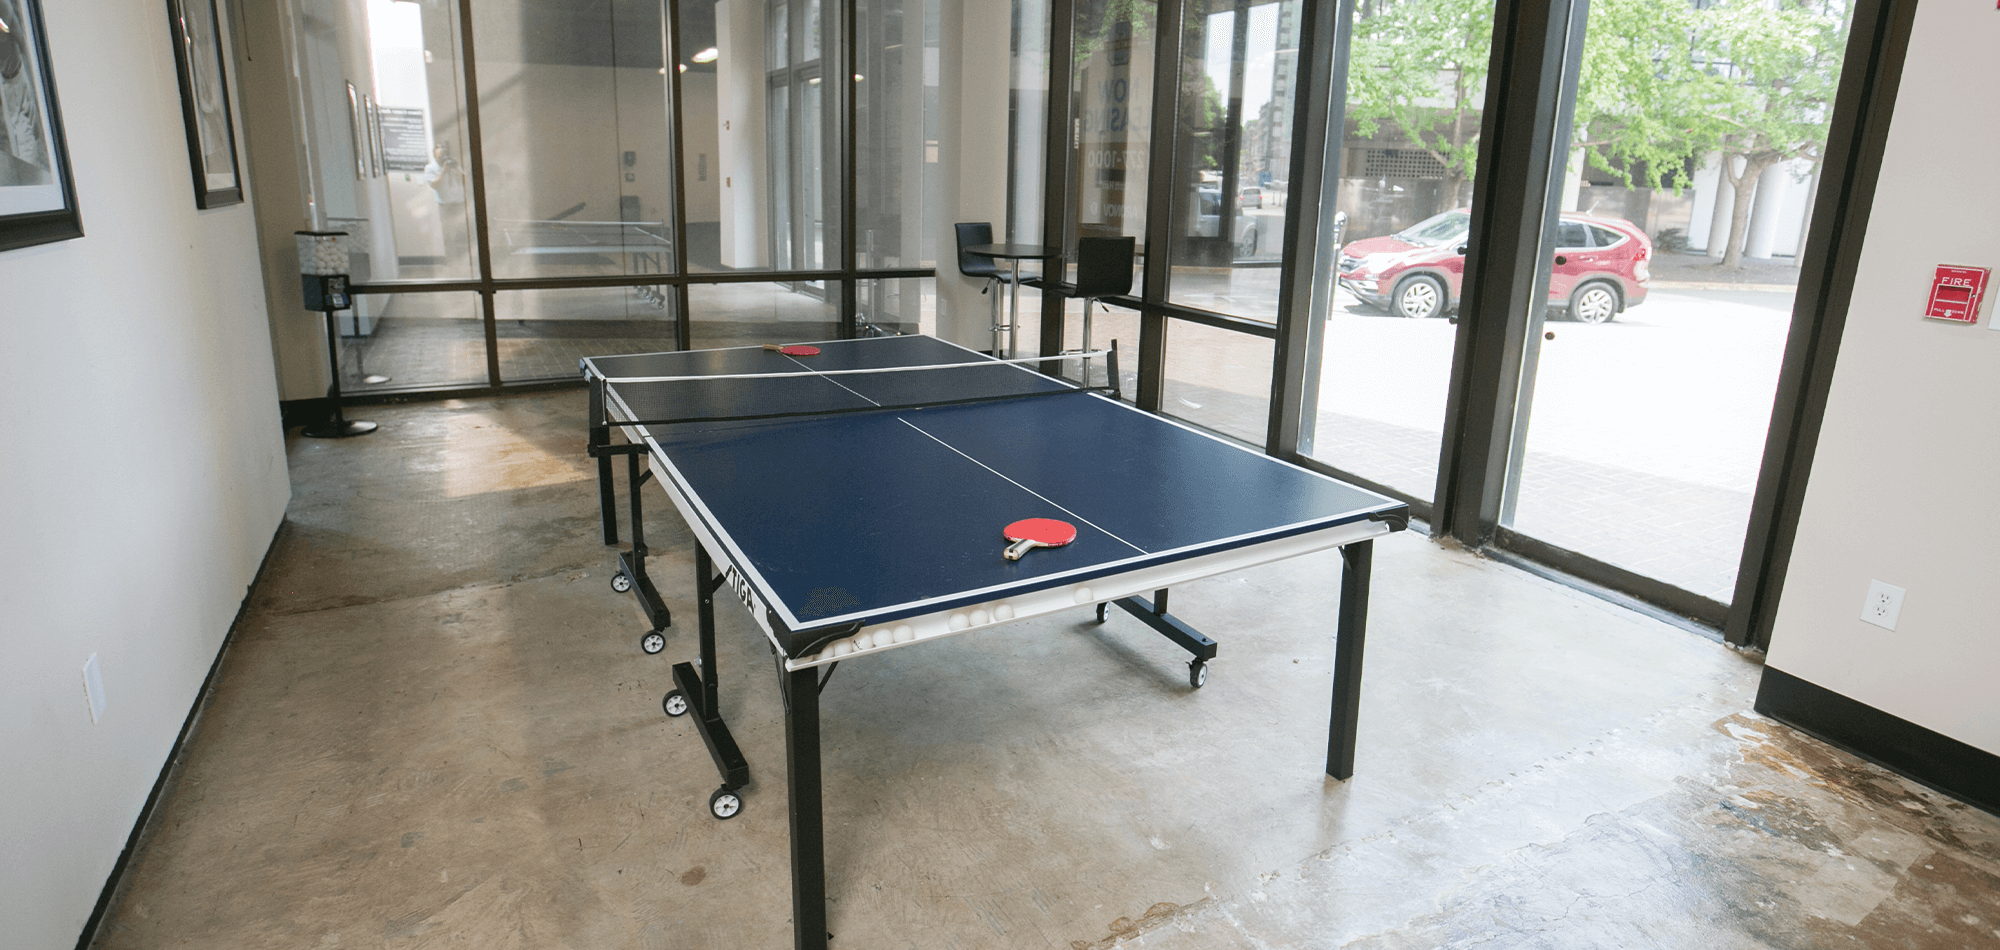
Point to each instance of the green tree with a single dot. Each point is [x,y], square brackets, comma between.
[1775,69]
[1663,84]
[1640,93]
[1421,65]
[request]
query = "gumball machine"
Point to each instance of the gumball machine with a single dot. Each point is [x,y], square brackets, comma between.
[323,273]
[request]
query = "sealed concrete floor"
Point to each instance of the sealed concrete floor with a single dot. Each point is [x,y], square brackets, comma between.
[434,728]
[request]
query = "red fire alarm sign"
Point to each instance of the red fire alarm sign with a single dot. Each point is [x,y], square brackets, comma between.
[1955,293]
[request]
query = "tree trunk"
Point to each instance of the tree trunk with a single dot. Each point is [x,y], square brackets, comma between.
[1745,184]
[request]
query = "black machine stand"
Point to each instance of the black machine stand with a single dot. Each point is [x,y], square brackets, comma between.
[324,261]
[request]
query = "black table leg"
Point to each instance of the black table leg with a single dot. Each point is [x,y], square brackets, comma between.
[1355,561]
[600,437]
[802,781]
[632,563]
[700,683]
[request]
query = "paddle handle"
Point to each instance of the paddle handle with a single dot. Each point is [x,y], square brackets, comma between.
[1018,548]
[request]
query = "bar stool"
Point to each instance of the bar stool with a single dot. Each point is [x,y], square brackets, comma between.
[971,233]
[1103,269]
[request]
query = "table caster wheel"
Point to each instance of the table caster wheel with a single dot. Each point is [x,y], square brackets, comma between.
[1197,673]
[653,642]
[724,804]
[675,704]
[1100,613]
[621,582]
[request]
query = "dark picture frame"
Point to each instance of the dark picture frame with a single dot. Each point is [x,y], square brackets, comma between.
[196,28]
[37,192]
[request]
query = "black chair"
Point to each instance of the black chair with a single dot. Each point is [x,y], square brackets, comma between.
[1103,269]
[972,265]
[985,268]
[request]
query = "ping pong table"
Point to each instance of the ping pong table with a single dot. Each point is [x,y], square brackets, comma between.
[781,466]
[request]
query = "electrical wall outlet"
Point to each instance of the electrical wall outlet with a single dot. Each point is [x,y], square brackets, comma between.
[1884,602]
[93,687]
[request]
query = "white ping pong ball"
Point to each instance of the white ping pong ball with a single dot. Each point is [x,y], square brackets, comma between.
[979,617]
[957,621]
[843,648]
[1003,612]
[1083,595]
[904,634]
[884,637]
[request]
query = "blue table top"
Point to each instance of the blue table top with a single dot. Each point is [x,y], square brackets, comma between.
[870,516]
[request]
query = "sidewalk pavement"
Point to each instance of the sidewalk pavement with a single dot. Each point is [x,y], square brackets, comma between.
[1698,271]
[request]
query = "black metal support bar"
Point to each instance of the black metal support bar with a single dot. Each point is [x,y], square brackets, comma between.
[1162,173]
[1167,625]
[1529,103]
[729,761]
[705,583]
[1356,560]
[1111,370]
[633,563]
[802,786]
[634,478]
[600,439]
[699,682]
[1058,190]
[607,499]
[1870,75]
[842,60]
[1306,283]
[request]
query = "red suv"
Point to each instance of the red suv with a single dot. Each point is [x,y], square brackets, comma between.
[1600,267]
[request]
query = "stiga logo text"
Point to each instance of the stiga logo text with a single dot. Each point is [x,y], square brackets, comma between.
[741,585]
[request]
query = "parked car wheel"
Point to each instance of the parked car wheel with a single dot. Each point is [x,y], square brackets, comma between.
[1418,298]
[1595,302]
[1247,247]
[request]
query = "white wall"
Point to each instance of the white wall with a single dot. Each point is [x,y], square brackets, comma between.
[972,165]
[141,463]
[1902,486]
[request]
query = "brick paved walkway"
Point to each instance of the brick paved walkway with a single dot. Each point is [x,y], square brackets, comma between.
[1686,534]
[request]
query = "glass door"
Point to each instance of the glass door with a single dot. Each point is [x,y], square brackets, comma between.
[1649,378]
[1407,162]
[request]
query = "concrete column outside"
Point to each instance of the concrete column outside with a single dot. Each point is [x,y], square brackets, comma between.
[1725,206]
[1764,211]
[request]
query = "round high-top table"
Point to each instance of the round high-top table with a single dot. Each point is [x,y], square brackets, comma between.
[1014,254]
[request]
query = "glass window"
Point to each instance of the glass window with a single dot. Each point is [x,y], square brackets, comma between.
[890,306]
[573,119]
[1406,167]
[893,119]
[1650,388]
[1239,70]
[750,314]
[412,341]
[1219,380]
[384,140]
[542,334]
[757,121]
[1112,95]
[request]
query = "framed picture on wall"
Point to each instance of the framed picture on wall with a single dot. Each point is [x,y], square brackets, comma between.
[196,28]
[37,194]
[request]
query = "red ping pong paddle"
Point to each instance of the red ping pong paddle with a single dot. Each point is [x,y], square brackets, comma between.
[1031,533]
[794,349]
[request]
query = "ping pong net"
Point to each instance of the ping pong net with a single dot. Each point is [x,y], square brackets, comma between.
[837,389]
